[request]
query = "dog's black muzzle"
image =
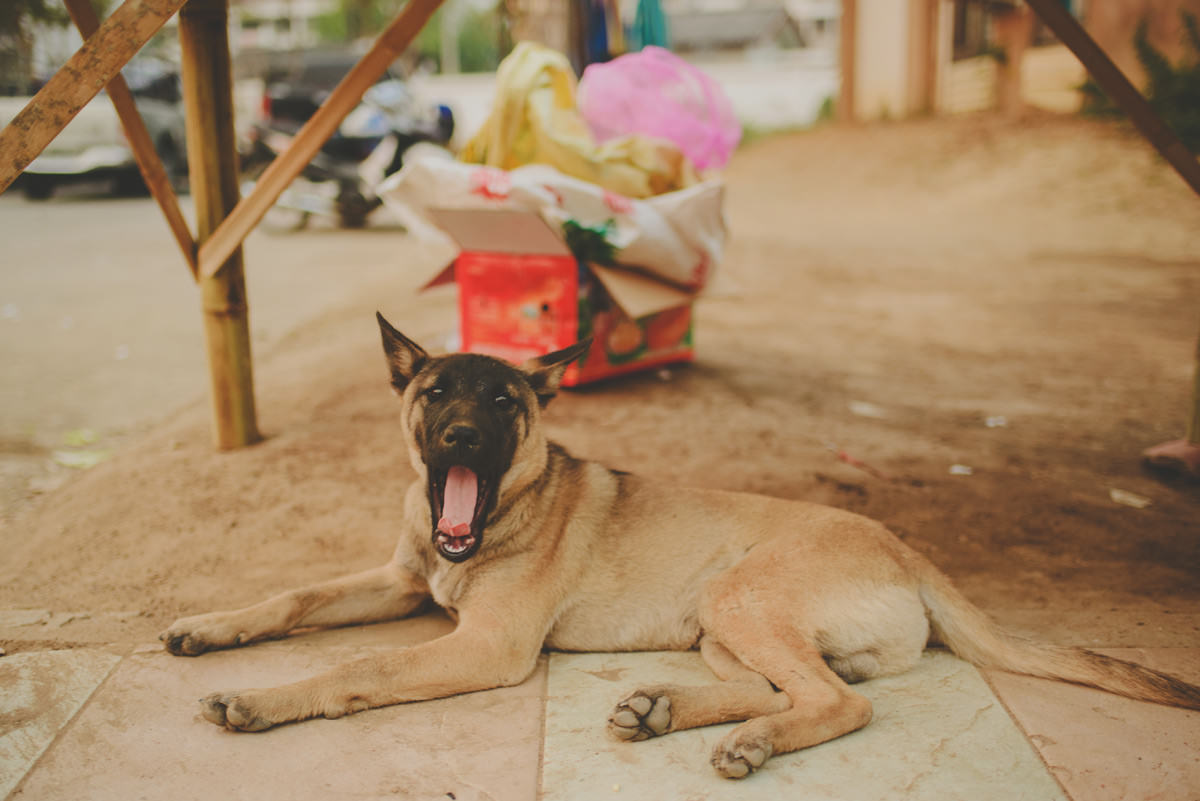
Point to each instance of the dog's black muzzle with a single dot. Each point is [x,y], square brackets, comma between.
[465,461]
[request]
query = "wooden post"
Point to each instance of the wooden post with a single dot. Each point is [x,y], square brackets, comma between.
[922,56]
[1014,31]
[212,161]
[847,54]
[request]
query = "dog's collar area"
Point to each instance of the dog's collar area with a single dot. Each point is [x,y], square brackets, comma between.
[458,499]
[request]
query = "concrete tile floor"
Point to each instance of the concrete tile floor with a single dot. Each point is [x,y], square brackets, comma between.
[940,732]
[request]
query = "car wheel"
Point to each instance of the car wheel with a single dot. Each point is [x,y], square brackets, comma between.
[37,187]
[175,165]
[129,183]
[352,209]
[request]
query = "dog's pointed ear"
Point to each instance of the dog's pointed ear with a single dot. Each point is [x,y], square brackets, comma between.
[404,357]
[545,372]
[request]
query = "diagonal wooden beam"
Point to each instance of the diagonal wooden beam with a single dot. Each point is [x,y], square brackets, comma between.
[283,170]
[148,161]
[85,73]
[1118,87]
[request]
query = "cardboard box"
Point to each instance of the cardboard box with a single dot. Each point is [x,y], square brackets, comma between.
[523,294]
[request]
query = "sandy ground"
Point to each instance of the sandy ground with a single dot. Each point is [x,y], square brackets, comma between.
[1015,300]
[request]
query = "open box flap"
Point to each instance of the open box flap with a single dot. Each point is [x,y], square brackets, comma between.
[445,276]
[500,231]
[638,295]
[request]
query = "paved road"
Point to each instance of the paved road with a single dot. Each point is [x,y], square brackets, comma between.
[100,327]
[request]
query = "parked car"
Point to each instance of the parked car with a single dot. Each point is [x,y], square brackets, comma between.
[93,146]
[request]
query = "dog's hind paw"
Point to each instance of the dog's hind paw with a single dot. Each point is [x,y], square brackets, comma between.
[738,760]
[643,715]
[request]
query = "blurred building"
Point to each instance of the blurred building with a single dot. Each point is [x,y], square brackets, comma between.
[276,24]
[905,57]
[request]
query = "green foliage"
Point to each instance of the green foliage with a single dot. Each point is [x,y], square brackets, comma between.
[828,110]
[18,19]
[1173,91]
[356,19]
[16,14]
[590,243]
[479,41]
[481,34]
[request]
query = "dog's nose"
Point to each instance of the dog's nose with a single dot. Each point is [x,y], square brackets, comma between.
[464,435]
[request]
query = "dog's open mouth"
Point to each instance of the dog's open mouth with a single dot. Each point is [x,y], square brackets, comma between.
[459,498]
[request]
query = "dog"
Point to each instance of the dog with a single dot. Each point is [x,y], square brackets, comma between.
[527,548]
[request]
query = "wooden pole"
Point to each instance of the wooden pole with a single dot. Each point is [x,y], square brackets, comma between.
[148,161]
[345,96]
[85,73]
[212,160]
[1013,28]
[847,56]
[922,55]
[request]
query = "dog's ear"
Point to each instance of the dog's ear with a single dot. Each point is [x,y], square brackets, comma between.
[404,357]
[545,372]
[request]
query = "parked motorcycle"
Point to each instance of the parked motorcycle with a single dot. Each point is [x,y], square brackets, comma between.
[368,146]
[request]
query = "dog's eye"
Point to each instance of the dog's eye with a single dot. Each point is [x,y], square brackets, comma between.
[502,401]
[434,393]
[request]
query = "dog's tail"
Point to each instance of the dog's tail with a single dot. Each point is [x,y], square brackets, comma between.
[968,632]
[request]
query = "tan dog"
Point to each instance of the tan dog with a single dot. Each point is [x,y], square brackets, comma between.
[530,548]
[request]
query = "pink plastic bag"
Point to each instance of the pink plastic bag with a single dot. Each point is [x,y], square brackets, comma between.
[656,93]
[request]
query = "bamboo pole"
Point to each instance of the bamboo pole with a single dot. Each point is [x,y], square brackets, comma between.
[345,96]
[144,153]
[212,160]
[85,73]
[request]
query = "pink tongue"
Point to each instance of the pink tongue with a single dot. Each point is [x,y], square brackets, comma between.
[458,506]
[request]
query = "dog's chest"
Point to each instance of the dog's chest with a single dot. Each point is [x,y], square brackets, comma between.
[446,585]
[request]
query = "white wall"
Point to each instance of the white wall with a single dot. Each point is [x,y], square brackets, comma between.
[881,59]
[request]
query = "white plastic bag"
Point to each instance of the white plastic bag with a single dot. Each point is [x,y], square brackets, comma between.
[678,236]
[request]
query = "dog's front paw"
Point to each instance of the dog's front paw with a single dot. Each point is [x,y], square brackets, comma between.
[645,714]
[236,711]
[190,636]
[738,757]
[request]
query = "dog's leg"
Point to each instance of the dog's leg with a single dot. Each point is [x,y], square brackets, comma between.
[382,593]
[740,695]
[482,653]
[760,631]
[823,707]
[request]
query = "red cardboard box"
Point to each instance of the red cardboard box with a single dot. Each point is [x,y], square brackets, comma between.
[523,294]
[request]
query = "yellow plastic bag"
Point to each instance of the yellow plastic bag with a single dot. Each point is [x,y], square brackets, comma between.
[534,120]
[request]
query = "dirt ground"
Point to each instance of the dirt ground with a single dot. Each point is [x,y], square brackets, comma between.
[995,317]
